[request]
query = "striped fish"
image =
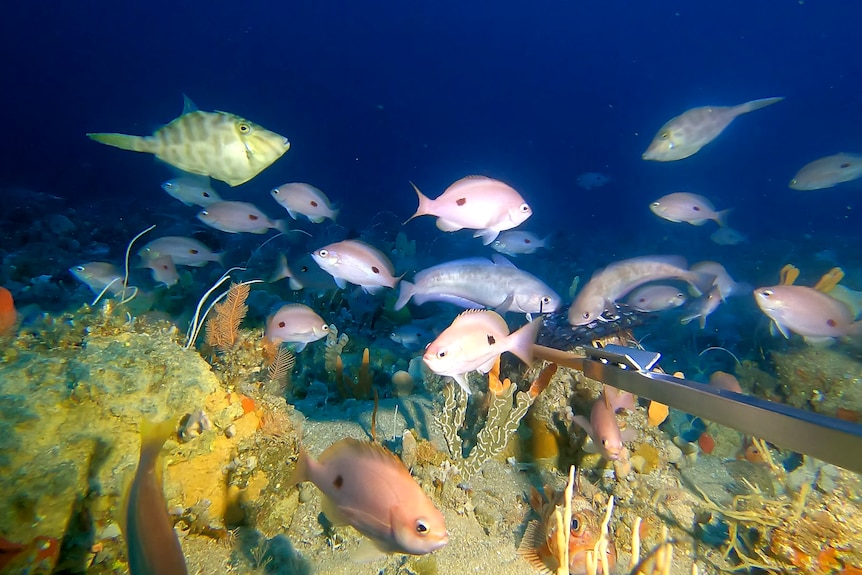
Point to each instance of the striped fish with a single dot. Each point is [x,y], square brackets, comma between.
[221,145]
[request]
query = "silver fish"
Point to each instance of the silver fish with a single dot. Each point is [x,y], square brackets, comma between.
[608,285]
[687,207]
[192,190]
[687,133]
[239,217]
[657,297]
[477,282]
[513,243]
[828,172]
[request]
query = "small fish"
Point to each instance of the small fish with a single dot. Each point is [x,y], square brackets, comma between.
[724,380]
[8,314]
[303,273]
[221,145]
[368,488]
[192,191]
[651,298]
[163,268]
[727,287]
[239,217]
[686,134]
[816,316]
[591,180]
[828,172]
[151,542]
[728,236]
[478,282]
[539,546]
[99,275]
[608,285]
[413,335]
[358,263]
[703,307]
[304,199]
[296,324]
[689,208]
[183,251]
[477,203]
[602,427]
[474,341]
[514,243]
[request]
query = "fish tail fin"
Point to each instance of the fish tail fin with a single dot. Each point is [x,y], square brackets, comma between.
[153,437]
[281,270]
[219,258]
[123,141]
[300,472]
[757,104]
[522,341]
[282,226]
[335,212]
[424,205]
[407,291]
[702,282]
[721,217]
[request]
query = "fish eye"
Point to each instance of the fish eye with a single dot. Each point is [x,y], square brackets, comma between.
[441,354]
[244,128]
[665,135]
[576,525]
[604,442]
[79,268]
[767,292]
[421,527]
[524,208]
[275,192]
[586,315]
[323,253]
[325,327]
[655,204]
[204,213]
[546,299]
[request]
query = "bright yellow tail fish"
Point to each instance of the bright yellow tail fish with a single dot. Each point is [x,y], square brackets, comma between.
[221,145]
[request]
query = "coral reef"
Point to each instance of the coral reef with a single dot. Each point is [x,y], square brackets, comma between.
[222,328]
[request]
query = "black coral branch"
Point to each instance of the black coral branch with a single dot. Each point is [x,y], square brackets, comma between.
[223,326]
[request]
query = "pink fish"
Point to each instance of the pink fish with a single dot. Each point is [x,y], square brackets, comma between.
[304,199]
[295,323]
[816,316]
[182,250]
[602,427]
[239,217]
[724,380]
[686,207]
[151,542]
[477,203]
[474,341]
[656,297]
[164,270]
[358,263]
[367,487]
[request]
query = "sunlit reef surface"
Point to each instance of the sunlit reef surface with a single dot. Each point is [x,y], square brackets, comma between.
[76,381]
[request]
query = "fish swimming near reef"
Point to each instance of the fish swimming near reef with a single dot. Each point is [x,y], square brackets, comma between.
[513,243]
[306,200]
[239,217]
[358,263]
[99,276]
[367,487]
[540,547]
[478,203]
[686,207]
[816,316]
[728,236]
[297,324]
[182,250]
[656,297]
[192,190]
[413,335]
[151,542]
[828,172]
[163,268]
[701,308]
[608,285]
[602,427]
[474,341]
[478,282]
[221,145]
[686,134]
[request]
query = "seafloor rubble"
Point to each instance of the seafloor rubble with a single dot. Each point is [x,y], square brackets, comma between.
[75,388]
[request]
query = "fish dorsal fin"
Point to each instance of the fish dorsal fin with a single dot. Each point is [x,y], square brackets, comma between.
[502,261]
[188,106]
[362,449]
[471,311]
[788,275]
[829,280]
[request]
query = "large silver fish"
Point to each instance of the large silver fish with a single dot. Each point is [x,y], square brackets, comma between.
[687,133]
[477,282]
[221,145]
[619,278]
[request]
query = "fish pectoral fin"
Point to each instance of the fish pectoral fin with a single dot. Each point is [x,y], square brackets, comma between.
[781,329]
[332,511]
[461,379]
[487,235]
[367,552]
[447,226]
[534,549]
[486,367]
[506,305]
[819,341]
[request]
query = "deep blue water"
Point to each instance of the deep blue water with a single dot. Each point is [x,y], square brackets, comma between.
[374,94]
